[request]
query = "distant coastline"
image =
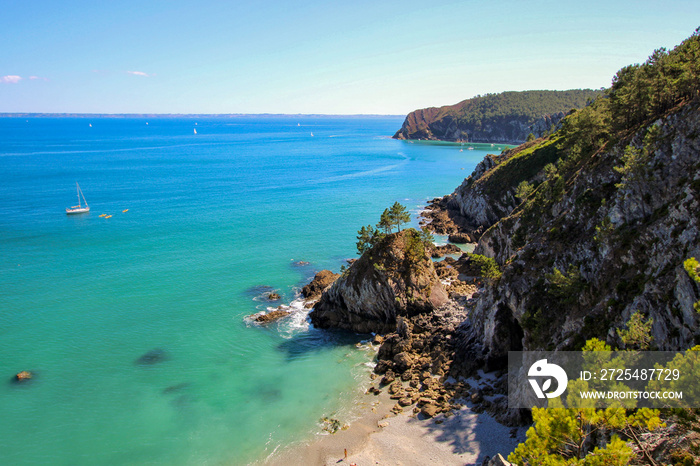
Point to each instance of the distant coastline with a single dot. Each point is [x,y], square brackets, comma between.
[189,115]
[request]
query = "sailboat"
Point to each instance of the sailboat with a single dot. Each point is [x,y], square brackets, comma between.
[195,131]
[78,209]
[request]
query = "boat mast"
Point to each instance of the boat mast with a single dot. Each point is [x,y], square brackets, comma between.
[78,189]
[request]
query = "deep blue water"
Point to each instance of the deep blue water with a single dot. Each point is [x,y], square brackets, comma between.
[213,219]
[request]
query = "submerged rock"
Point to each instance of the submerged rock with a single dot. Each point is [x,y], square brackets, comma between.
[153,356]
[396,277]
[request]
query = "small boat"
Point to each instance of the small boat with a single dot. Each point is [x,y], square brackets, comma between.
[103,215]
[108,216]
[125,210]
[312,134]
[90,125]
[78,209]
[195,131]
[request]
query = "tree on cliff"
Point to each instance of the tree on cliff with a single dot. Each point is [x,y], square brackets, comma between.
[385,224]
[398,215]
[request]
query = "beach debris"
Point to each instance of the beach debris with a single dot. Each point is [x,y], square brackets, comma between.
[153,356]
[22,376]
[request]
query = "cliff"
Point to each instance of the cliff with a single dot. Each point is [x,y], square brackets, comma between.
[508,117]
[394,278]
[592,245]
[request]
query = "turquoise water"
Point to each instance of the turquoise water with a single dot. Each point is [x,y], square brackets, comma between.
[213,219]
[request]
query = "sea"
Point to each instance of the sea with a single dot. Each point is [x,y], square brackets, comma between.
[134,318]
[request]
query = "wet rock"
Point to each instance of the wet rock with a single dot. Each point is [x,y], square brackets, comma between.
[300,264]
[274,296]
[272,316]
[460,238]
[24,375]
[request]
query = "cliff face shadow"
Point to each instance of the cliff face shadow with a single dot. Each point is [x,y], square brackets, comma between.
[475,435]
[316,340]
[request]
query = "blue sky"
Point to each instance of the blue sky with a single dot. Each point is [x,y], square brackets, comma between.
[314,56]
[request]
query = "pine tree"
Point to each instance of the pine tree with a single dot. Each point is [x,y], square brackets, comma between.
[385,223]
[398,215]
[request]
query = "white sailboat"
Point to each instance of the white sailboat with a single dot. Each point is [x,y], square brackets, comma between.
[78,209]
[195,131]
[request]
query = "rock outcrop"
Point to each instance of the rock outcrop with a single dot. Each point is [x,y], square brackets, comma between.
[396,277]
[321,281]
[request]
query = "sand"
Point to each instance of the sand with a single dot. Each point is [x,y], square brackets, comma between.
[465,438]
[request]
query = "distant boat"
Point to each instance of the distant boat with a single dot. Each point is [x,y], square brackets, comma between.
[78,209]
[90,125]
[312,134]
[195,131]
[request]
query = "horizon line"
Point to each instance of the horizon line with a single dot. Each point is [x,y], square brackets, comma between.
[184,115]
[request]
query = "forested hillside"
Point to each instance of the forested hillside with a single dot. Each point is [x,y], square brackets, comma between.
[508,117]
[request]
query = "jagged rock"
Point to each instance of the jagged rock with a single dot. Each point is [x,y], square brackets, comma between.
[459,238]
[274,296]
[445,249]
[272,316]
[394,278]
[321,281]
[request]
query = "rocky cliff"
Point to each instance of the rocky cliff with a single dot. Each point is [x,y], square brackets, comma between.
[394,278]
[508,117]
[604,236]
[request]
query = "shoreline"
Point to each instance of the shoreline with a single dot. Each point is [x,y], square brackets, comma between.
[378,436]
[380,431]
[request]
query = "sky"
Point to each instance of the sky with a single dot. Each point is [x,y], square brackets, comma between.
[316,56]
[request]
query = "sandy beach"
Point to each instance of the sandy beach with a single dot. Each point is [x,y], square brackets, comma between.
[378,437]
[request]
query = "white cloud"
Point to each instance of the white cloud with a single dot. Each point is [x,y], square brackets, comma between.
[139,73]
[10,79]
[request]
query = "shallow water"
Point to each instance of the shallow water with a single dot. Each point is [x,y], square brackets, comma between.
[134,325]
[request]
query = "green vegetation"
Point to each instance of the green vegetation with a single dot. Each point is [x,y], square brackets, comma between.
[565,287]
[693,268]
[587,435]
[527,106]
[395,216]
[637,335]
[488,266]
[523,190]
